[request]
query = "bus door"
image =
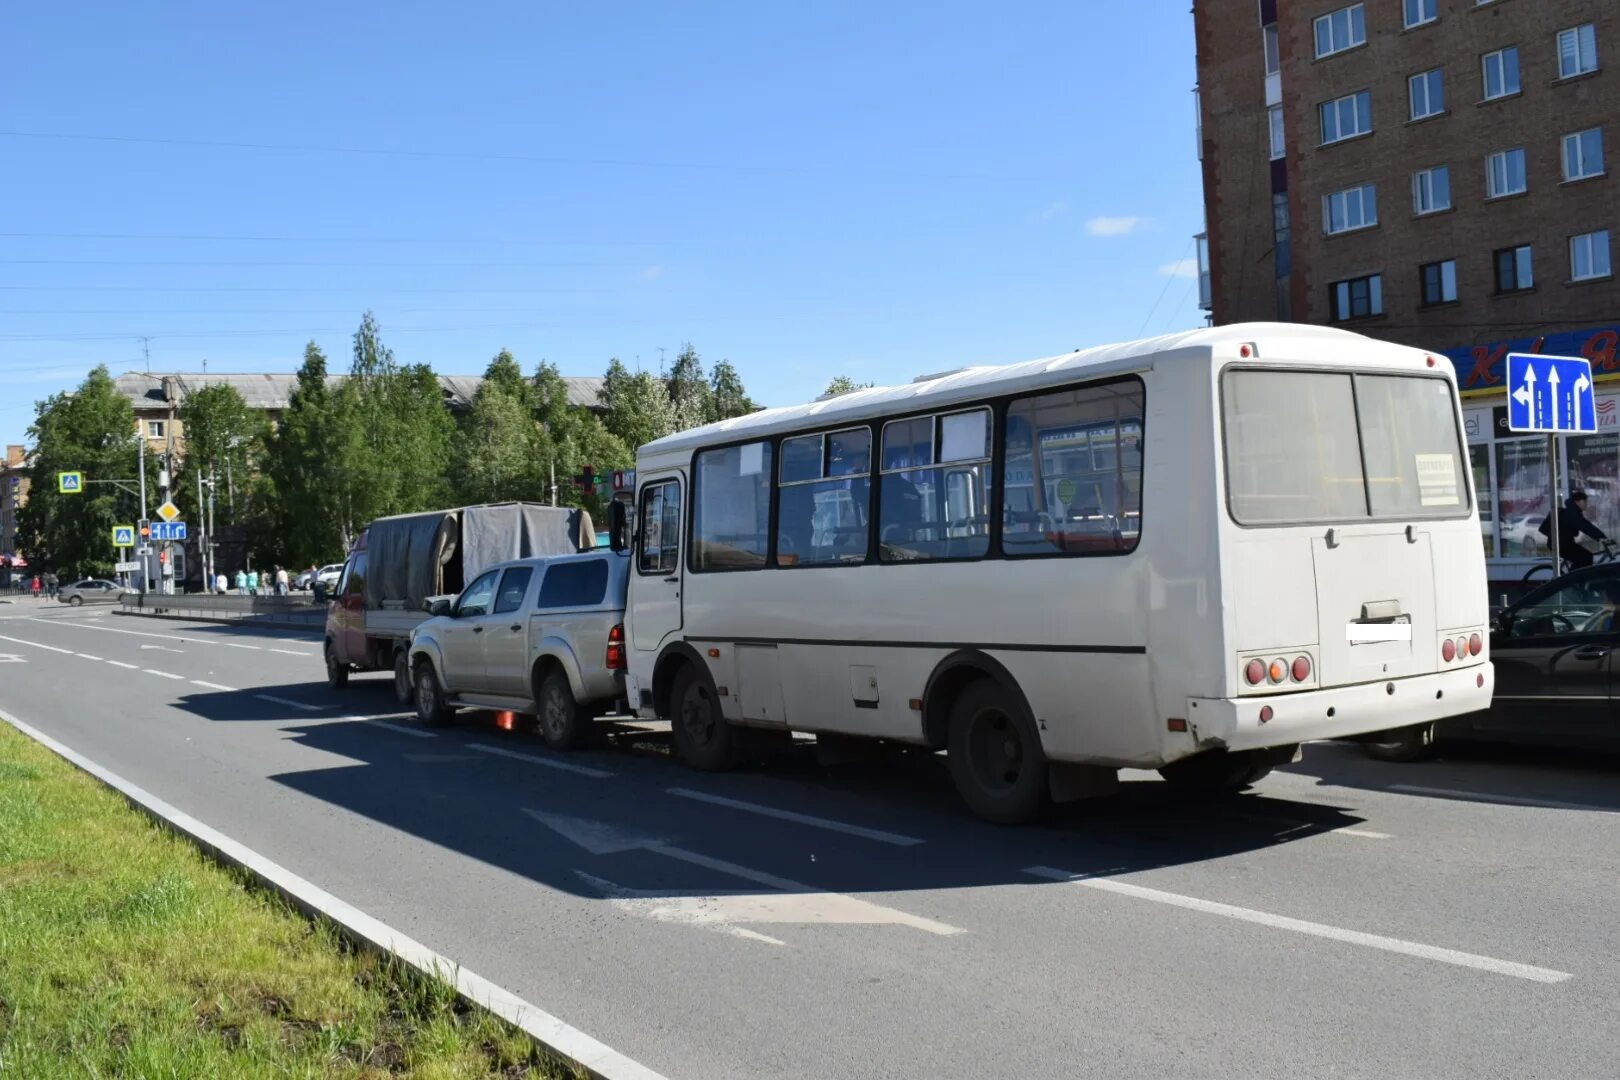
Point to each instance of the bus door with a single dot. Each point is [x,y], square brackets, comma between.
[655,588]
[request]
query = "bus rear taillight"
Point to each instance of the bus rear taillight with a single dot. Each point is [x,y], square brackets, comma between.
[615,649]
[1476,645]
[1255,672]
[1302,668]
[1279,671]
[1448,650]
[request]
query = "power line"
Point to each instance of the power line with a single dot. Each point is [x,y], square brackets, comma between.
[537,159]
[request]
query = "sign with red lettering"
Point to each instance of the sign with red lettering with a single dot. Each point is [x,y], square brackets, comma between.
[1484,367]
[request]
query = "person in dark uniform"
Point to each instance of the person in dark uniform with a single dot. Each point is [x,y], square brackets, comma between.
[1572,522]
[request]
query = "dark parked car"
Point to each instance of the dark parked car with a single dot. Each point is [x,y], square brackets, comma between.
[1555,653]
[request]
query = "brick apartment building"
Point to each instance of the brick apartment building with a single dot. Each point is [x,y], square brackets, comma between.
[1432,172]
[15,480]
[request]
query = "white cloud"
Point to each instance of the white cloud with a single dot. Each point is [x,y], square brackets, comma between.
[1054,210]
[653,273]
[1184,268]
[1112,226]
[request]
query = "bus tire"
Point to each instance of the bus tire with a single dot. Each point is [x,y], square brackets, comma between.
[995,755]
[431,707]
[337,672]
[1216,774]
[403,691]
[703,739]
[1401,744]
[563,724]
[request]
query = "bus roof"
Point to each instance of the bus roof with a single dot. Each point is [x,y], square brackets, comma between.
[972,383]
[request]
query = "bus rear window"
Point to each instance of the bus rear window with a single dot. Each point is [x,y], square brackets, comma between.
[1307,446]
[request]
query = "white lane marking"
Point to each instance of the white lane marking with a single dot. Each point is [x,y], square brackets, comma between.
[535,759]
[163,648]
[401,728]
[596,1058]
[289,702]
[1512,800]
[230,644]
[87,656]
[292,652]
[1365,834]
[803,819]
[755,935]
[162,674]
[709,912]
[120,663]
[1301,926]
[213,686]
[35,644]
[197,640]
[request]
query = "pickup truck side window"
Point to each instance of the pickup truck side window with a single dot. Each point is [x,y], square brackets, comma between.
[658,548]
[574,584]
[514,587]
[476,600]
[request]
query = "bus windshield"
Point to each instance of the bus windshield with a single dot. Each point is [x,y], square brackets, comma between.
[1315,446]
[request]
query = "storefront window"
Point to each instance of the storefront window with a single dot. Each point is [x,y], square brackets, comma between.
[1479,457]
[1522,496]
[1593,462]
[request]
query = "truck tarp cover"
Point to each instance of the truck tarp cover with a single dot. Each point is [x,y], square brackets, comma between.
[406,554]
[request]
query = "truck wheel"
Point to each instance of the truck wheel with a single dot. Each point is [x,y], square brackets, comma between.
[430,704]
[703,739]
[995,756]
[1401,744]
[402,678]
[1216,774]
[563,724]
[337,672]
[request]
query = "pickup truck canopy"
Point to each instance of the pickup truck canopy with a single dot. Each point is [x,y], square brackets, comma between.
[412,557]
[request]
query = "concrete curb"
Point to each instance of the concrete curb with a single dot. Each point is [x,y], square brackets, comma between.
[314,626]
[559,1039]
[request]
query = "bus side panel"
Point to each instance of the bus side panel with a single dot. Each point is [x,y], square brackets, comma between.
[1092,708]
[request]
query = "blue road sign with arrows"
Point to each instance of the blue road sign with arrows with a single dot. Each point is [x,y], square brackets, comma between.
[1550,394]
[168,530]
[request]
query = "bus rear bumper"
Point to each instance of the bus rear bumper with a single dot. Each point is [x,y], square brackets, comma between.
[1341,711]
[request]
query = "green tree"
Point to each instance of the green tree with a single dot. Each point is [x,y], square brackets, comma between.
[419,441]
[497,439]
[689,392]
[638,406]
[843,384]
[727,398]
[310,461]
[223,438]
[90,430]
[573,437]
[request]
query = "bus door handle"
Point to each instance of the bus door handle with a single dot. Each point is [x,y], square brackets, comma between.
[672,581]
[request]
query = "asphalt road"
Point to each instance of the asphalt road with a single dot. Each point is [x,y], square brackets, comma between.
[1352,919]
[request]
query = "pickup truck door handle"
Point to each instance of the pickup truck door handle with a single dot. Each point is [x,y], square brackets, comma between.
[478,629]
[516,627]
[1591,652]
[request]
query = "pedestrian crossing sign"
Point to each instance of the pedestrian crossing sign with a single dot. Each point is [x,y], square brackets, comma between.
[123,536]
[70,483]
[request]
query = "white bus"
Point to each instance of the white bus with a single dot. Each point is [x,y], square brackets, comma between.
[1188,554]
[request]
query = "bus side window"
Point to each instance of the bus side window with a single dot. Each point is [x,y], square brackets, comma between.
[659,541]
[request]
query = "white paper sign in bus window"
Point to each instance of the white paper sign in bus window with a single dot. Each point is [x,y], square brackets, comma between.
[1437,480]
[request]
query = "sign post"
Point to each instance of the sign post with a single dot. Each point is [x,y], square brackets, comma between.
[1551,394]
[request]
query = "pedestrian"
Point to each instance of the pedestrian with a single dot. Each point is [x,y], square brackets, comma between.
[220,585]
[37,587]
[241,583]
[51,583]
[1572,522]
[253,583]
[281,581]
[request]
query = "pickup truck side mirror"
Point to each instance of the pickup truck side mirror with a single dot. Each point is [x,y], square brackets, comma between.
[619,526]
[436,607]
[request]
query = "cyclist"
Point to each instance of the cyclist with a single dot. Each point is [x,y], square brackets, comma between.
[1572,522]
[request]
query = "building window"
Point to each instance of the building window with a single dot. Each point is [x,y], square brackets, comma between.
[1358,298]
[1504,174]
[1439,282]
[1273,52]
[1279,146]
[1341,30]
[934,501]
[1428,94]
[1513,269]
[157,429]
[1589,256]
[1419,12]
[1577,51]
[731,507]
[1583,154]
[1431,190]
[1282,233]
[1346,117]
[1501,73]
[1354,208]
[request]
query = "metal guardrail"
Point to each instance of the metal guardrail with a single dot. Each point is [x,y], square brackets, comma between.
[291,609]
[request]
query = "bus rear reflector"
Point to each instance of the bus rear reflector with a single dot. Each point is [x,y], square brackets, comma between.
[1177,723]
[1265,714]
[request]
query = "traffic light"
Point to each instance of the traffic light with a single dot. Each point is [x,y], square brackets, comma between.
[144,529]
[586,480]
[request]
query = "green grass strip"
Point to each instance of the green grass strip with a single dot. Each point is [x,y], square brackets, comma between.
[125,953]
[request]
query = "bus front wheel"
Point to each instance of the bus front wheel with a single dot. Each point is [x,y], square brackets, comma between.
[995,755]
[703,739]
[1216,773]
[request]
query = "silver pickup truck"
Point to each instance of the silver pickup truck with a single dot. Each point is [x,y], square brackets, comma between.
[542,636]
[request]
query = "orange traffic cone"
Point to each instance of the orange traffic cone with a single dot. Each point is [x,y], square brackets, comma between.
[506,721]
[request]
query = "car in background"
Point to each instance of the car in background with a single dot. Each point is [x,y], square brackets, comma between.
[1557,655]
[326,580]
[90,591]
[305,579]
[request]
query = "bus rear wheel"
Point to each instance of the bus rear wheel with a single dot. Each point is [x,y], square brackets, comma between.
[1216,773]
[703,739]
[995,755]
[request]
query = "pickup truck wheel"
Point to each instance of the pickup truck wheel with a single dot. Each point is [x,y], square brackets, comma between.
[563,724]
[402,678]
[703,739]
[337,672]
[430,703]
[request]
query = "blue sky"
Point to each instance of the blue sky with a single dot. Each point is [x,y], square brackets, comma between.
[878,190]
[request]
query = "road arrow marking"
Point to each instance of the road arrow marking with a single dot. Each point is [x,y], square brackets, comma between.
[11,658]
[792,902]
[706,911]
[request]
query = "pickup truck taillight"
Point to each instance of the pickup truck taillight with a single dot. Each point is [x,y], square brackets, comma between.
[615,649]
